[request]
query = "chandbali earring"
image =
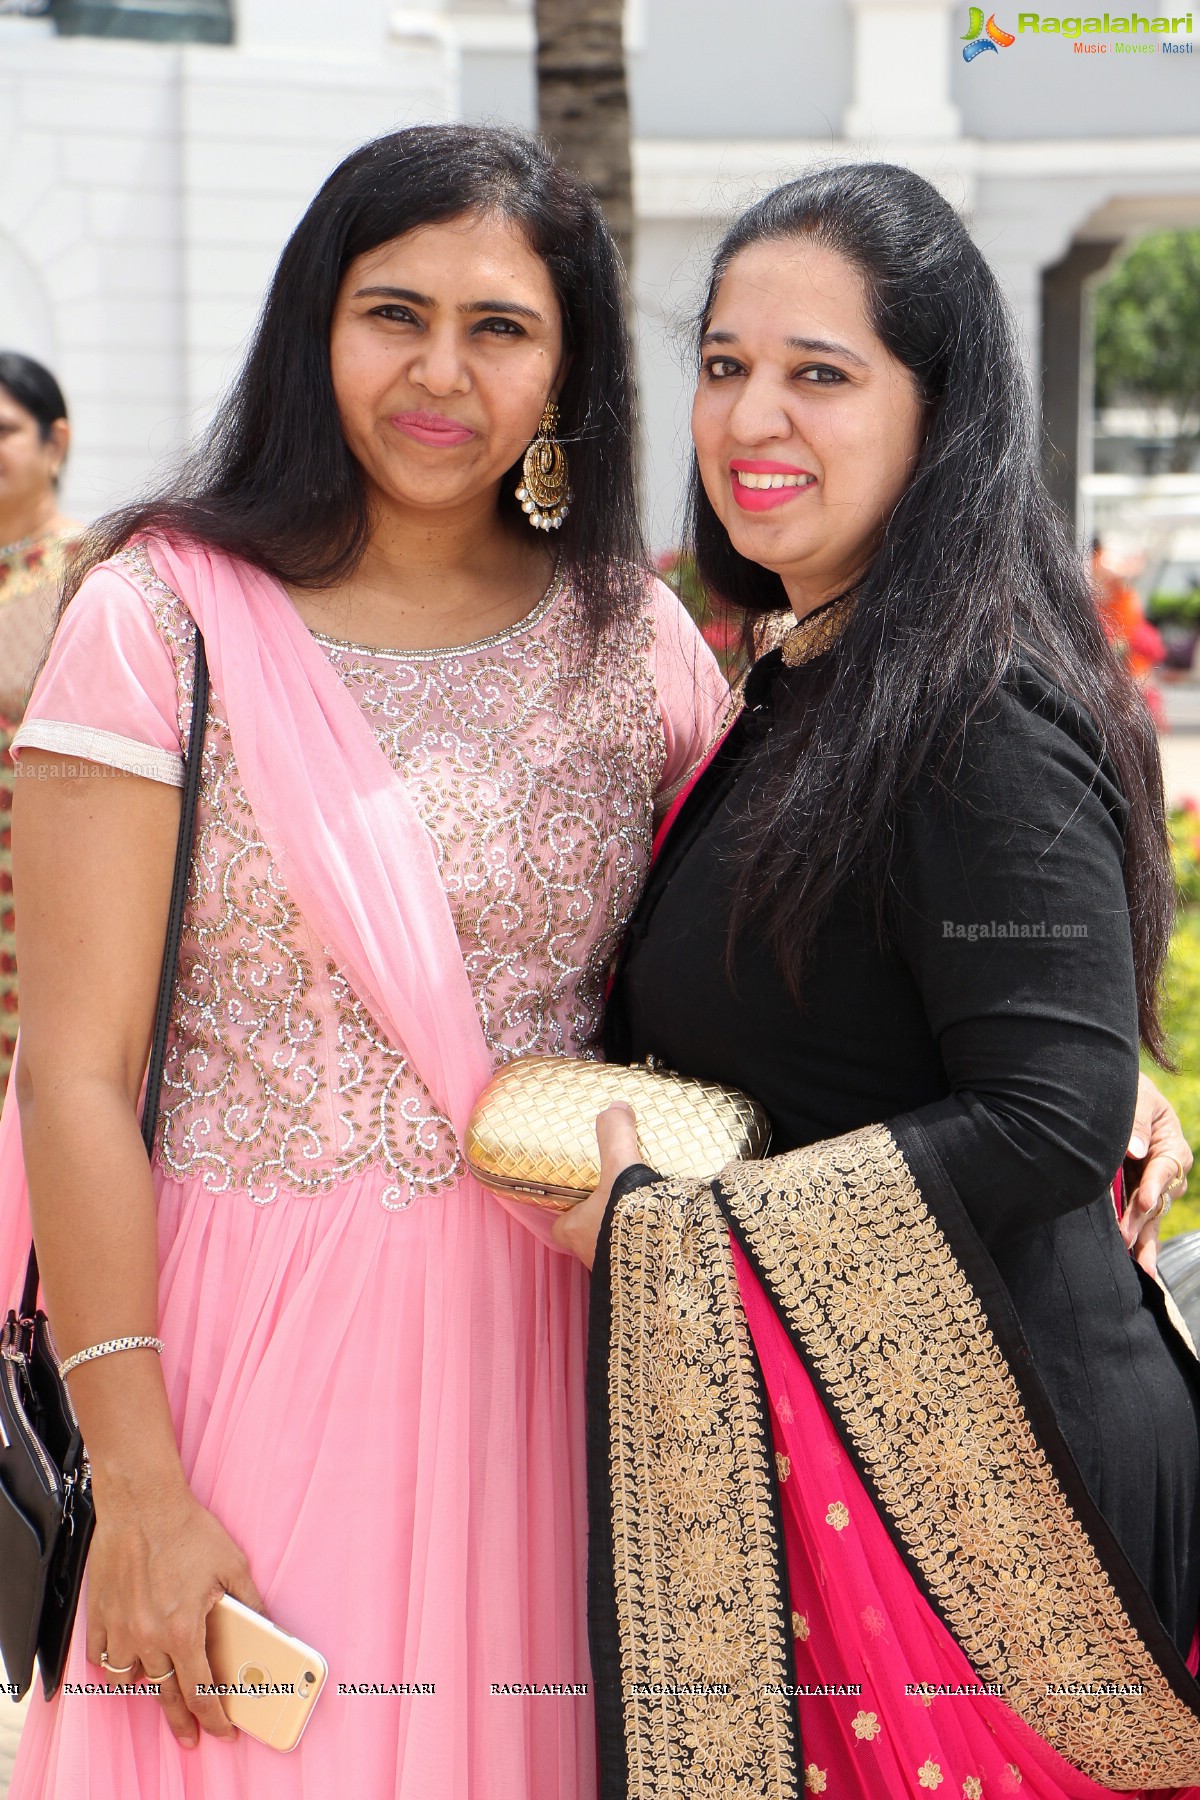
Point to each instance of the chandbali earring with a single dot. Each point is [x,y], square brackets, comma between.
[544,494]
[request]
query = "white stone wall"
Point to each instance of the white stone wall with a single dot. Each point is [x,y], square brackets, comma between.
[145,193]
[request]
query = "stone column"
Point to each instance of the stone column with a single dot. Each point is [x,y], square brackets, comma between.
[1066,371]
[902,51]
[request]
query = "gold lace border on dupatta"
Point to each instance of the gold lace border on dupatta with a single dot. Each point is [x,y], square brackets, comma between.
[699,1610]
[897,1340]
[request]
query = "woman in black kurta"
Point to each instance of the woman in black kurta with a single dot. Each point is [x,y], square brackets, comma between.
[902,1381]
[999,1018]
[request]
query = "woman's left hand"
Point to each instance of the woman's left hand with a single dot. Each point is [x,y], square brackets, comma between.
[1158,1144]
[578,1229]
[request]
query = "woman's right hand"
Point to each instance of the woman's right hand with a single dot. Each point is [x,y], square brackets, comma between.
[158,1563]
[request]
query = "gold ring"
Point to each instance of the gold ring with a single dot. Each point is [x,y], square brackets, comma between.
[1180,1180]
[154,1680]
[113,1668]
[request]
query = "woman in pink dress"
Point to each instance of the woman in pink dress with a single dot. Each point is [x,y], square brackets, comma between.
[432,760]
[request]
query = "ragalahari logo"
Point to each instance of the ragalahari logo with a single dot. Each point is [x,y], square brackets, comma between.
[983,37]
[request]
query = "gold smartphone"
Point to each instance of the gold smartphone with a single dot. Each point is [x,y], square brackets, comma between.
[266,1680]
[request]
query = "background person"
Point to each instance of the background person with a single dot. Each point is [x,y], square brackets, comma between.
[1134,639]
[35,543]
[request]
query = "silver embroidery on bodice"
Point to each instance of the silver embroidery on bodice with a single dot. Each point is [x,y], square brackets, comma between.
[537,788]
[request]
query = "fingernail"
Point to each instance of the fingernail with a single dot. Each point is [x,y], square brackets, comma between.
[1138,1146]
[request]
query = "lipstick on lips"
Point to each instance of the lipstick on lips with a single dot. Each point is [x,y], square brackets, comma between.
[767,484]
[434,429]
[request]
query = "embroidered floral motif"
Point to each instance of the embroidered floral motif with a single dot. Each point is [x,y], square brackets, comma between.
[1010,1778]
[932,1410]
[800,1627]
[972,1788]
[783,1464]
[696,1559]
[36,564]
[538,793]
[814,1779]
[866,1726]
[929,1775]
[537,789]
[838,1516]
[874,1623]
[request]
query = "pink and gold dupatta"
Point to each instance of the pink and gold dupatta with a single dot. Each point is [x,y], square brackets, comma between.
[837,1542]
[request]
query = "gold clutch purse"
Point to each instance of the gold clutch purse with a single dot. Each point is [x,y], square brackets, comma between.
[533,1132]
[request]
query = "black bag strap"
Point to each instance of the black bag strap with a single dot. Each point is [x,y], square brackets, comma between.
[166,982]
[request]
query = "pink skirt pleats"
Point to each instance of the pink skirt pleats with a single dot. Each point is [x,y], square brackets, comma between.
[385,1410]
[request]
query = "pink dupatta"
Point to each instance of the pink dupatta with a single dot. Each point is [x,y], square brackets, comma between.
[339,822]
[355,856]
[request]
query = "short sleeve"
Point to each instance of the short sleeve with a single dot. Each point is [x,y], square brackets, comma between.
[694,700]
[108,690]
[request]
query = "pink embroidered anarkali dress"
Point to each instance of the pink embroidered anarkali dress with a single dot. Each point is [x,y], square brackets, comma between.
[376,1369]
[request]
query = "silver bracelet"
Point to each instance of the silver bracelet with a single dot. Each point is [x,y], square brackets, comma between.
[107,1348]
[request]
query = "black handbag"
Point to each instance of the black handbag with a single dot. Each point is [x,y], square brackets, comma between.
[46,1510]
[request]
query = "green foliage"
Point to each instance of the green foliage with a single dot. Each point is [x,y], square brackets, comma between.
[1184,826]
[679,572]
[1174,609]
[1183,1025]
[720,629]
[1147,327]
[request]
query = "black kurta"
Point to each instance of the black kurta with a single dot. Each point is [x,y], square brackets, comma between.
[999,1014]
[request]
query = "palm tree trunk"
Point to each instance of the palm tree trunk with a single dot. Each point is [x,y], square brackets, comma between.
[583,103]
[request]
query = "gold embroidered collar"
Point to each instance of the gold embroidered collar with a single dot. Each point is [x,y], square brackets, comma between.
[818,631]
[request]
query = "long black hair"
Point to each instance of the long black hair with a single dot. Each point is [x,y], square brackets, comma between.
[974,563]
[273,480]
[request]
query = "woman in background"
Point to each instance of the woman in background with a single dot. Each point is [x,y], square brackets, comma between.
[35,542]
